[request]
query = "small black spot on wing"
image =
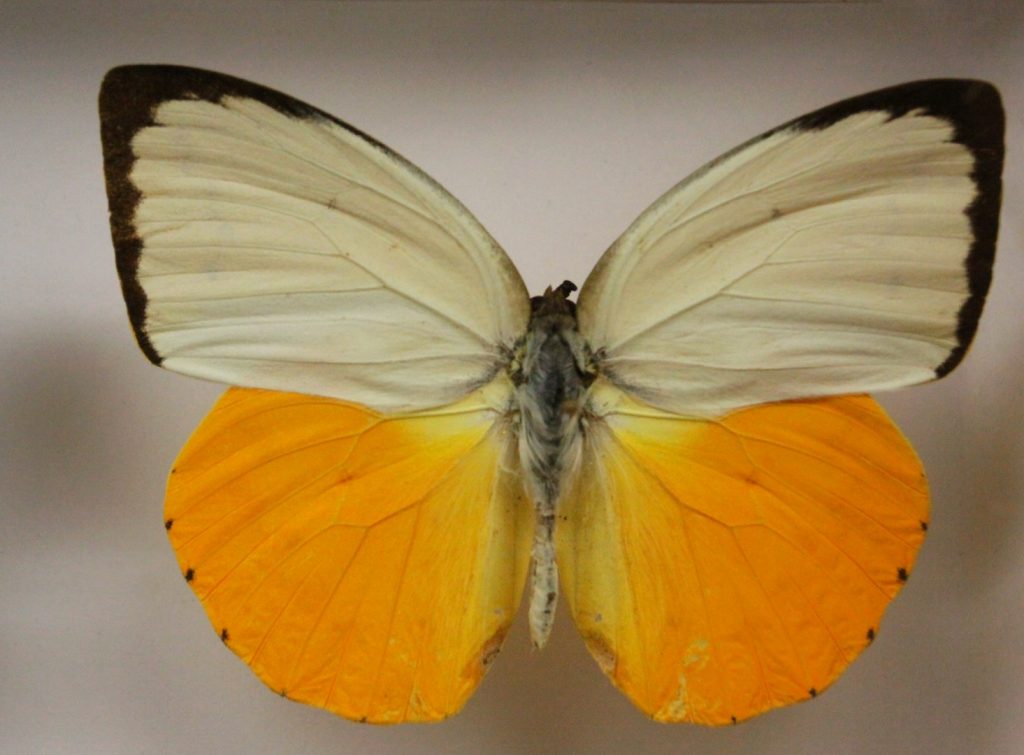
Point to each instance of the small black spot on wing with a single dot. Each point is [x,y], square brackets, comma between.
[190,574]
[224,636]
[871,634]
[813,692]
[924,526]
[168,524]
[901,574]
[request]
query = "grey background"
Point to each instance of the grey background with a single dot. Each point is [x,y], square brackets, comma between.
[556,123]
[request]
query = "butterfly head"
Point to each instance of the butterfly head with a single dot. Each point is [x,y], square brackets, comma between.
[554,301]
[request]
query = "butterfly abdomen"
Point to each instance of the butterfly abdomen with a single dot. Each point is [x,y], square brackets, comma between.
[554,372]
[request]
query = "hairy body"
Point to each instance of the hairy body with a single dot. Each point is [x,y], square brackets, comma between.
[552,370]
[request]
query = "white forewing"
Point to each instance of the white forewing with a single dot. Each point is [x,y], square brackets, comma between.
[262,243]
[847,251]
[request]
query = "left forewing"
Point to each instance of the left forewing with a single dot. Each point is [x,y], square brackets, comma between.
[261,242]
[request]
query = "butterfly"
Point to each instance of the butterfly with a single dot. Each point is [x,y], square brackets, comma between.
[686,452]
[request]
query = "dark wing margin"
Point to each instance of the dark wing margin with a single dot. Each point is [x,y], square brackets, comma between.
[677,231]
[123,111]
[342,277]
[128,99]
[975,110]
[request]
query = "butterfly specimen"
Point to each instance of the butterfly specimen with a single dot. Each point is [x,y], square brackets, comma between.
[686,451]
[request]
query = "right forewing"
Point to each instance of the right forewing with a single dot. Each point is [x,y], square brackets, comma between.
[847,251]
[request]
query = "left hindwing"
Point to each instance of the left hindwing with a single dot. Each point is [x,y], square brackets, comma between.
[264,243]
[849,250]
[365,564]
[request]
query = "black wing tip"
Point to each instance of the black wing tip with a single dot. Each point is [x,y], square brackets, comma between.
[129,96]
[981,128]
[138,88]
[980,125]
[123,111]
[974,109]
[973,106]
[148,84]
[128,99]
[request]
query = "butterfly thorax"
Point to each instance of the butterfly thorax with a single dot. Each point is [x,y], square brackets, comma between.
[552,371]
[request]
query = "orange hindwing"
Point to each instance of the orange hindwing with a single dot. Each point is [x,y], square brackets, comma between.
[364,564]
[720,569]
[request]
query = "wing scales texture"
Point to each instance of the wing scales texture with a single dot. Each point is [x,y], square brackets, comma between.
[379,601]
[263,243]
[847,251]
[720,569]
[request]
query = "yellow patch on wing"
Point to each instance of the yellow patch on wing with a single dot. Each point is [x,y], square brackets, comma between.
[365,564]
[721,569]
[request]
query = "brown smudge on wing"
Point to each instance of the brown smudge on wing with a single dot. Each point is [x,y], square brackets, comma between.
[601,651]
